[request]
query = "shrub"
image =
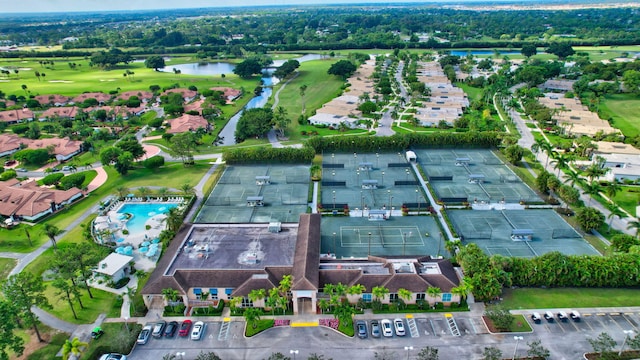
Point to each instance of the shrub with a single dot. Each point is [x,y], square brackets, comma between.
[154,162]
[52,179]
[73,180]
[9,174]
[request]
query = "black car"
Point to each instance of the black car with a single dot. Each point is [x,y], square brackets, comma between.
[171,328]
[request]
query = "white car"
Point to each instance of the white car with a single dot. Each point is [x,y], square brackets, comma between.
[387,328]
[398,324]
[197,330]
[113,356]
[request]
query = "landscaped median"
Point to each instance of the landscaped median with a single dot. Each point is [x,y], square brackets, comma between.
[256,327]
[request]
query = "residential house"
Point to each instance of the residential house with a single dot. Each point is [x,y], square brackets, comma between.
[52,100]
[194,106]
[66,112]
[144,96]
[187,95]
[16,116]
[10,143]
[102,98]
[63,149]
[188,122]
[30,202]
[230,94]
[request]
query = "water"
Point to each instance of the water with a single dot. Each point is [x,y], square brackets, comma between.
[143,212]
[215,68]
[463,53]
[218,68]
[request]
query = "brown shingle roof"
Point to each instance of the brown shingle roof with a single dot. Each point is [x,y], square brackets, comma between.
[306,258]
[411,282]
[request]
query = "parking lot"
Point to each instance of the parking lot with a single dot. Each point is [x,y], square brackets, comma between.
[441,330]
[595,322]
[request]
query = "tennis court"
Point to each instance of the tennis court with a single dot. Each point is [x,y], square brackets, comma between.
[372,181]
[472,175]
[358,237]
[492,231]
[278,193]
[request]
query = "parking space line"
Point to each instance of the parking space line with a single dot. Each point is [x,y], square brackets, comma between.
[433,328]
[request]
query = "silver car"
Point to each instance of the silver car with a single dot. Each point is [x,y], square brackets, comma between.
[145,334]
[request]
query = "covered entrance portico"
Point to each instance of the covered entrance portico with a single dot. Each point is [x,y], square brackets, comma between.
[304,302]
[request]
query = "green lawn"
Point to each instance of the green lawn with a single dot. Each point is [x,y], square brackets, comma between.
[321,88]
[262,325]
[61,79]
[624,109]
[473,93]
[628,198]
[6,265]
[102,301]
[536,298]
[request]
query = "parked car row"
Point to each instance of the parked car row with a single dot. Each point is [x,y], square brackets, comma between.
[385,327]
[163,329]
[562,316]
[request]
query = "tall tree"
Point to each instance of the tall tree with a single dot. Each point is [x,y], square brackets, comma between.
[26,290]
[8,338]
[52,232]
[184,144]
[303,91]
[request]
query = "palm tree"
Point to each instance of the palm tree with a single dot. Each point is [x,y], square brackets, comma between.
[573,178]
[173,219]
[614,211]
[433,293]
[594,171]
[613,189]
[560,161]
[356,289]
[73,347]
[52,231]
[323,304]
[171,295]
[303,90]
[592,189]
[28,235]
[187,189]
[257,294]
[379,292]
[635,224]
[462,290]
[122,191]
[143,192]
[542,145]
[405,294]
[162,192]
[252,316]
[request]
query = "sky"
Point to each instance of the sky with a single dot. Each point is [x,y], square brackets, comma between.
[9,6]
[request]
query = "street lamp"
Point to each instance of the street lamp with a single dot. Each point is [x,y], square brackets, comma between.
[180,354]
[126,324]
[362,203]
[517,339]
[627,333]
[294,353]
[369,252]
[418,200]
[358,181]
[332,155]
[382,184]
[404,242]
[334,200]
[406,173]
[377,158]
[408,349]
[334,246]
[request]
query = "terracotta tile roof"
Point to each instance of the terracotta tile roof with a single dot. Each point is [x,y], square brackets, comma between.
[10,142]
[16,115]
[186,93]
[101,97]
[52,99]
[194,106]
[186,123]
[63,147]
[142,95]
[306,258]
[28,199]
[229,93]
[63,112]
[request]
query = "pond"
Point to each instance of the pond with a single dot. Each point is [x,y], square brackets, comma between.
[463,53]
[216,68]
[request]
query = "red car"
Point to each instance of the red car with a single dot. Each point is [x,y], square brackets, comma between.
[184,328]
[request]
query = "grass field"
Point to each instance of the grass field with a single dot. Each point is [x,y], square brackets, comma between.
[101,302]
[625,111]
[536,298]
[628,198]
[6,265]
[62,79]
[473,93]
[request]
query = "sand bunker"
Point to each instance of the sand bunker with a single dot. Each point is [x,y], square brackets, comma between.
[102,80]
[24,69]
[61,81]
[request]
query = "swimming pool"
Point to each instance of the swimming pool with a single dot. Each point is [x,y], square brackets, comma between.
[142,212]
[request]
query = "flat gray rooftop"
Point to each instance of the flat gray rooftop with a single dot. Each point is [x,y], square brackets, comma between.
[224,247]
